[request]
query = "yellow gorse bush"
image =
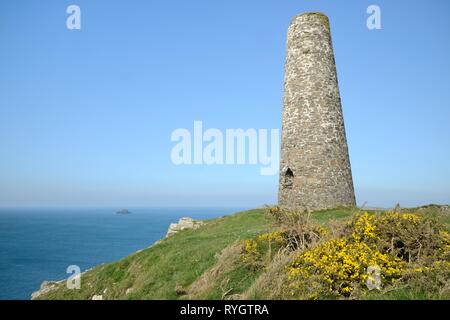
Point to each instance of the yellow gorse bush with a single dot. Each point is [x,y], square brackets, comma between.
[413,218]
[396,243]
[338,265]
[445,236]
[271,236]
[364,227]
[250,246]
[351,257]
[254,249]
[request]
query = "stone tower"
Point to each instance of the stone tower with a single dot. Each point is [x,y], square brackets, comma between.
[315,168]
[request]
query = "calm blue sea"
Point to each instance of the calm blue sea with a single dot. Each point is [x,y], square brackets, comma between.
[38,244]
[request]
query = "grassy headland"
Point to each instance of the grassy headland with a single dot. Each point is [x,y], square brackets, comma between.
[251,255]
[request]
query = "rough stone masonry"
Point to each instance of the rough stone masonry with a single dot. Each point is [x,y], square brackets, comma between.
[315,168]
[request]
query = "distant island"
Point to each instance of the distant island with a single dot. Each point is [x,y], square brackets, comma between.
[123,211]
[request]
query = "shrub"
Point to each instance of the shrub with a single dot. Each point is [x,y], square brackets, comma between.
[402,246]
[336,267]
[258,252]
[293,230]
[413,238]
[297,227]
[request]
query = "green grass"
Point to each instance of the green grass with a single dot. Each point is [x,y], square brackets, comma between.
[235,281]
[326,216]
[400,294]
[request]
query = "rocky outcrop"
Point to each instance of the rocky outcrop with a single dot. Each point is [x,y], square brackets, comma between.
[183,224]
[48,286]
[45,288]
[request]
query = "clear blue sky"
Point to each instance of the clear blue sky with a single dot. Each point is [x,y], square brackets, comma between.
[86,115]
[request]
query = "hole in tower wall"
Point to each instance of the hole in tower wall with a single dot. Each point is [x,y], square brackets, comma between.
[288,178]
[306,51]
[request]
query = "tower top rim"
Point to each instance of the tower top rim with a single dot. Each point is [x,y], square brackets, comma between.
[307,13]
[322,16]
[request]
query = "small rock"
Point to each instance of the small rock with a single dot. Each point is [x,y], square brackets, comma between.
[180,290]
[46,287]
[97,297]
[445,210]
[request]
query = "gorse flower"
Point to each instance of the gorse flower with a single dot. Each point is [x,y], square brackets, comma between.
[340,264]
[251,246]
[394,243]
[272,236]
[364,227]
[347,259]
[256,249]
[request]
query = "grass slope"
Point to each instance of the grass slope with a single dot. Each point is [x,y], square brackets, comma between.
[161,271]
[200,264]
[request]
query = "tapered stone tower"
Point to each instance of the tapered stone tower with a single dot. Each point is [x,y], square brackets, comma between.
[315,168]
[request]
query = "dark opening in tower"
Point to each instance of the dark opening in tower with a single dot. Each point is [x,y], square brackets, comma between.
[288,178]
